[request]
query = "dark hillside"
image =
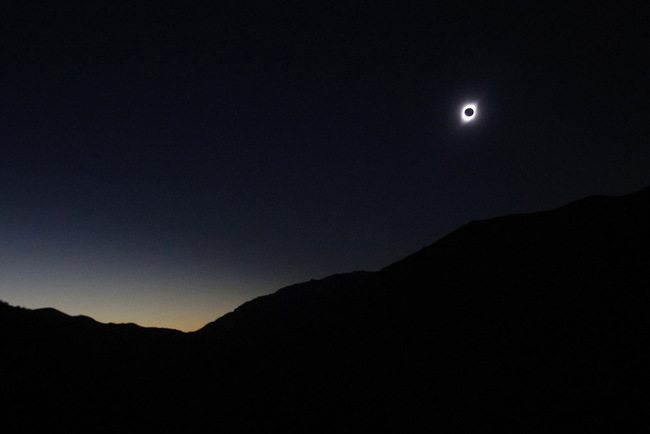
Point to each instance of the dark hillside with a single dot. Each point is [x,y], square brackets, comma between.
[63,371]
[534,322]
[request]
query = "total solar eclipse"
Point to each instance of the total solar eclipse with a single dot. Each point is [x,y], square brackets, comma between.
[468,113]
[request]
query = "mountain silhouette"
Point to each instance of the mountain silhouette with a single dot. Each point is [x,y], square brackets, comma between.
[532,322]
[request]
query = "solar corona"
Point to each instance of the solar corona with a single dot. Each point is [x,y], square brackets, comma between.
[468,113]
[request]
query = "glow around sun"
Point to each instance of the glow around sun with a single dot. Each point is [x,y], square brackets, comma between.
[468,113]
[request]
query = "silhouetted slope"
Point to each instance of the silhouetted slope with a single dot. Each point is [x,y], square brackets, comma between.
[540,317]
[271,315]
[532,322]
[534,319]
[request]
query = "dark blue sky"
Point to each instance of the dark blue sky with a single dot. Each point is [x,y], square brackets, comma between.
[162,163]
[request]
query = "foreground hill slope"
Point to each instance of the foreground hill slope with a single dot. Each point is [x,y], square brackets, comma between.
[529,320]
[533,322]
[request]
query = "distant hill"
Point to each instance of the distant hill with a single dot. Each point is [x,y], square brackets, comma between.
[532,322]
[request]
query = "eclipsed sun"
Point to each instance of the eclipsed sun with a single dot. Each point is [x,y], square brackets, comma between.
[468,113]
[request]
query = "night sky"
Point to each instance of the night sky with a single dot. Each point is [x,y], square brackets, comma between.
[163,163]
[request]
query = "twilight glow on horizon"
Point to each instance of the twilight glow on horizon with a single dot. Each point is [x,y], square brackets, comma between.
[163,165]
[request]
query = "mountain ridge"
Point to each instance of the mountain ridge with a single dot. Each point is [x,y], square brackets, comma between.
[531,321]
[579,202]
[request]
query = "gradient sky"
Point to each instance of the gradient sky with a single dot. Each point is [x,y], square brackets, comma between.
[163,163]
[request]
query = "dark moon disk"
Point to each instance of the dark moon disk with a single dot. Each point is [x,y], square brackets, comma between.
[469,112]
